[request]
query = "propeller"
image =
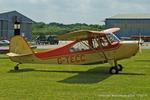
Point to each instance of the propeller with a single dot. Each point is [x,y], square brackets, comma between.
[140,43]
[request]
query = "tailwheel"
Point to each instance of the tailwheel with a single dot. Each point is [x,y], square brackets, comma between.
[120,67]
[113,70]
[16,68]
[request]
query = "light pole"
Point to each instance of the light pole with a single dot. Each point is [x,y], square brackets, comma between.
[17,28]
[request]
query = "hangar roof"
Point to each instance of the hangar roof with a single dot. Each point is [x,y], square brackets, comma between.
[131,16]
[11,14]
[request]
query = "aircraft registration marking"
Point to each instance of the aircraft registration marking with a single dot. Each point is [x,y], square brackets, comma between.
[71,59]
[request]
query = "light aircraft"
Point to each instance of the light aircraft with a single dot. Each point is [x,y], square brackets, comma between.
[87,47]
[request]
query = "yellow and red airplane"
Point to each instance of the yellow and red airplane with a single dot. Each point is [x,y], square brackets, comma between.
[87,47]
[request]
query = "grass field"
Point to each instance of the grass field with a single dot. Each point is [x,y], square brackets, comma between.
[72,82]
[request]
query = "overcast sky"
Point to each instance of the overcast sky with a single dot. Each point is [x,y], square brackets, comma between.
[74,11]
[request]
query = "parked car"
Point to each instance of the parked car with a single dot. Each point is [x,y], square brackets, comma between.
[4,42]
[47,39]
[41,39]
[52,39]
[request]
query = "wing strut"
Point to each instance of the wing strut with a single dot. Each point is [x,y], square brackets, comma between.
[101,47]
[96,50]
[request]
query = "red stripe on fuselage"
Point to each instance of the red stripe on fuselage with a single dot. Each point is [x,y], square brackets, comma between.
[65,50]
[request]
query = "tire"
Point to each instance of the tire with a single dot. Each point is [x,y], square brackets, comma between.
[16,68]
[113,70]
[120,68]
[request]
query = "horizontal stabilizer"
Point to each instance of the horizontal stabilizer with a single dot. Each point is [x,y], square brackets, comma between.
[16,55]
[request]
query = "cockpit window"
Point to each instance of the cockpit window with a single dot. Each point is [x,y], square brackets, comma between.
[96,42]
[80,46]
[99,42]
[112,38]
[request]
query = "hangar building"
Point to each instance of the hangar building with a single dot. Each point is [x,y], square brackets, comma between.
[7,20]
[130,24]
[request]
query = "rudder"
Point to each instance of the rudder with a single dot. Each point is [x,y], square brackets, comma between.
[19,45]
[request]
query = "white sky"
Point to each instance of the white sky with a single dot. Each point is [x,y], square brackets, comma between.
[74,11]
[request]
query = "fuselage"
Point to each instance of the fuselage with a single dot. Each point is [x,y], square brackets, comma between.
[63,55]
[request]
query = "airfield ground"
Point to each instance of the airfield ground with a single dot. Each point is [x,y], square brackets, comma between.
[76,82]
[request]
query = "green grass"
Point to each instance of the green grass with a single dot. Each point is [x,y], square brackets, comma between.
[76,82]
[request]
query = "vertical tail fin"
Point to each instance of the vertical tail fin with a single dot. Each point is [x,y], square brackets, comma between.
[18,45]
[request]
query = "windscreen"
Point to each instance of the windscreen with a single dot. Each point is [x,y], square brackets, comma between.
[112,38]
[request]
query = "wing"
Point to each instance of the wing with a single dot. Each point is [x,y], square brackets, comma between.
[76,35]
[110,30]
[84,34]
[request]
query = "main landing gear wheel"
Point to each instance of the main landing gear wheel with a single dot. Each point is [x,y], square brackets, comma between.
[120,67]
[115,69]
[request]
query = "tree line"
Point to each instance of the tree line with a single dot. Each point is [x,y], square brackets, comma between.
[54,28]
